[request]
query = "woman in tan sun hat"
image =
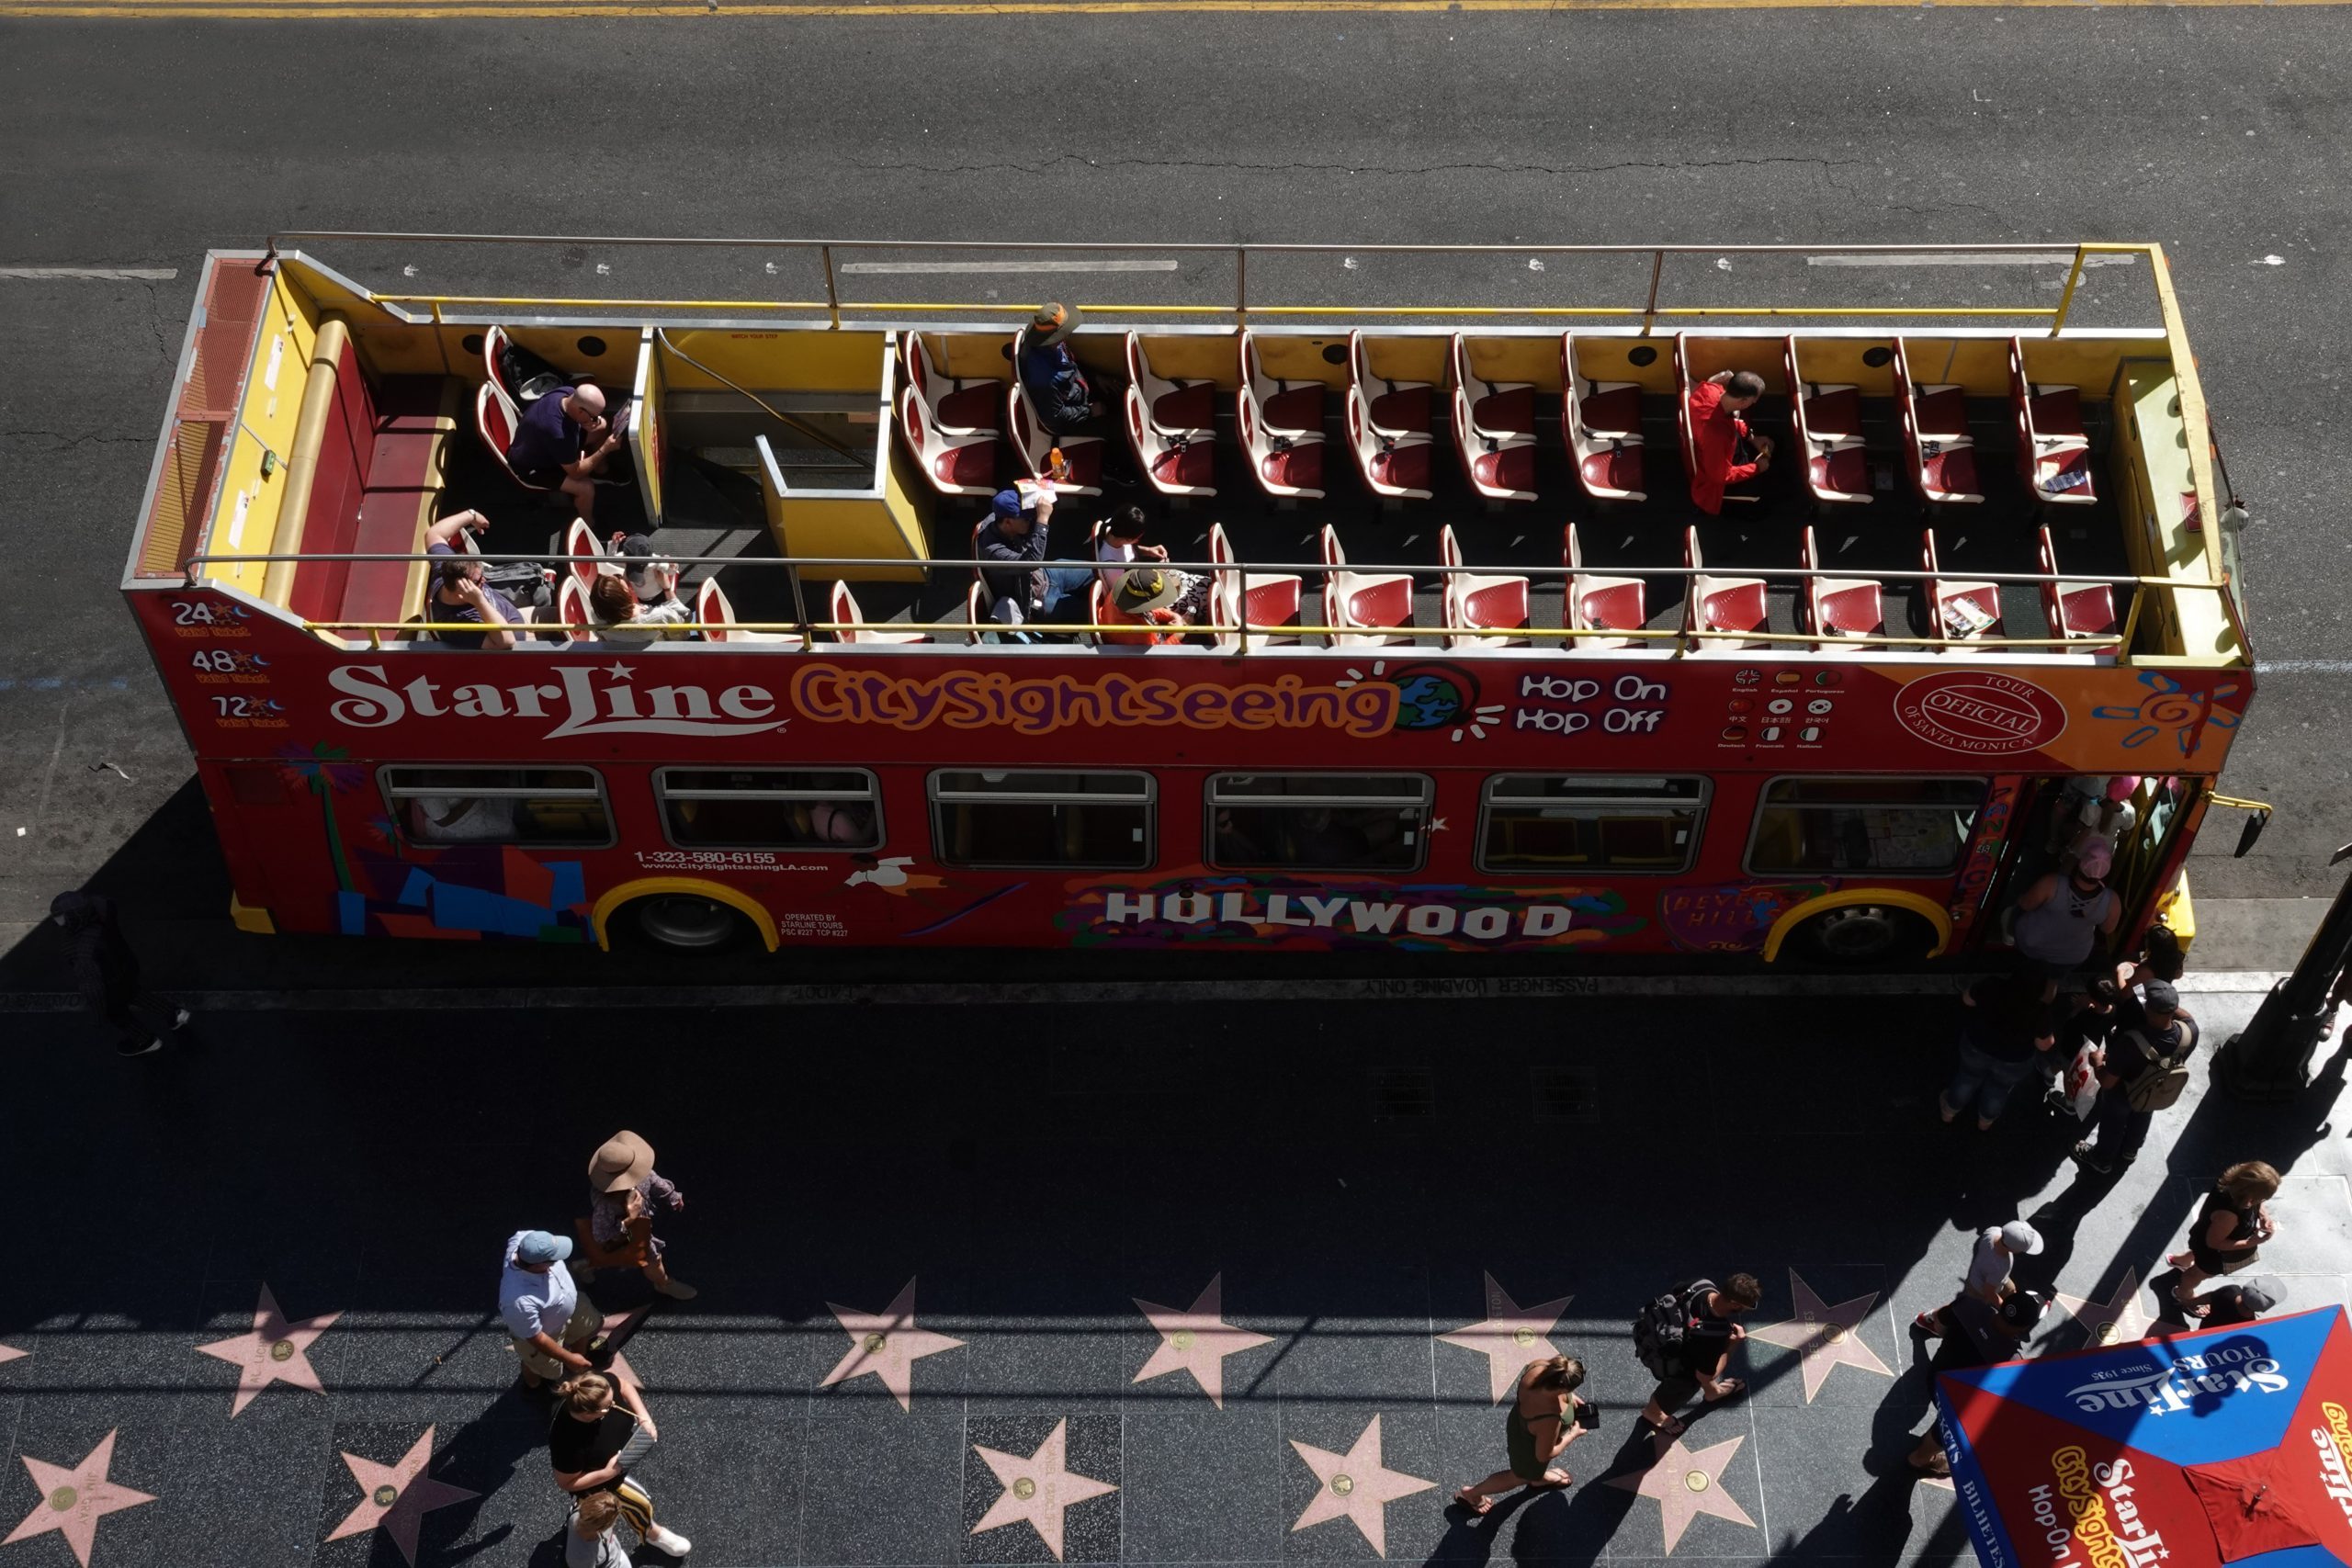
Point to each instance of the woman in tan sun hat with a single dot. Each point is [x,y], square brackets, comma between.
[1148,596]
[623,1188]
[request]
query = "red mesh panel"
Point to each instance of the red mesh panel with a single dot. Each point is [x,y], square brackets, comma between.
[207,407]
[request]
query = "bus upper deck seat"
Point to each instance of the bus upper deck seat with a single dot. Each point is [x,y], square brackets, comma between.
[1391,407]
[572,607]
[1969,612]
[1683,382]
[1179,463]
[1721,604]
[580,539]
[1176,408]
[1274,596]
[1395,463]
[717,616]
[1827,417]
[495,423]
[953,407]
[1494,428]
[1839,606]
[956,465]
[1036,444]
[2054,451]
[1937,446]
[1280,428]
[2072,609]
[1374,601]
[1600,423]
[1479,600]
[841,609]
[1601,602]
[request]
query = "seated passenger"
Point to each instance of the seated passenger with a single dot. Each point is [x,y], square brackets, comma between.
[1023,591]
[462,818]
[1723,451]
[1051,375]
[460,595]
[618,615]
[1148,595]
[1122,547]
[562,442]
[634,560]
[840,822]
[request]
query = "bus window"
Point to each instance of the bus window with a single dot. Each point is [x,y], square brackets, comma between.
[1318,821]
[500,806]
[1101,821]
[1910,826]
[1579,822]
[747,809]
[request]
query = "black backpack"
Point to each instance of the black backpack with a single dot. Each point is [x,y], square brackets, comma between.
[1662,1326]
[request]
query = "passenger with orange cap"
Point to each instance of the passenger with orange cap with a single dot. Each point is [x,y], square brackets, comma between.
[1050,373]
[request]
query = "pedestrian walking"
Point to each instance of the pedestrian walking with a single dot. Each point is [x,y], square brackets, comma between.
[600,1431]
[1983,1334]
[1685,1340]
[2226,1238]
[2064,914]
[554,1324]
[623,1191]
[2007,1026]
[106,973]
[2142,1069]
[589,1540]
[1545,1417]
[1988,1280]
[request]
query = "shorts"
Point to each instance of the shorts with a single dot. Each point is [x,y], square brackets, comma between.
[583,1325]
[2210,1262]
[1676,1391]
[541,478]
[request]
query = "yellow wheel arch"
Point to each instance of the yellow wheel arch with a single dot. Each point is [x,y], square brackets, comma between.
[741,903]
[1927,909]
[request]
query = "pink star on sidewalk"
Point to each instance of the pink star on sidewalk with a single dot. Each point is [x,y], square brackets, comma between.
[2114,1320]
[886,1344]
[1356,1486]
[1038,1489]
[1687,1485]
[275,1350]
[396,1497]
[74,1501]
[1825,1338]
[1197,1340]
[10,1353]
[1511,1337]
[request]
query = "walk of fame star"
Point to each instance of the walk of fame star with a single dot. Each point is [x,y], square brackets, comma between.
[1039,1488]
[1197,1340]
[74,1501]
[1825,1337]
[274,1350]
[2112,1321]
[886,1344]
[10,1353]
[1355,1486]
[1511,1337]
[1688,1484]
[395,1498]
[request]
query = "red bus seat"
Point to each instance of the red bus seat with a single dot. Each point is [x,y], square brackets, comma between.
[403,425]
[2072,609]
[1176,408]
[1036,444]
[956,465]
[1601,602]
[1494,429]
[1600,423]
[1392,408]
[1493,602]
[716,615]
[2054,454]
[579,540]
[1280,428]
[1177,463]
[1372,600]
[1721,604]
[1274,596]
[1827,417]
[495,423]
[1937,448]
[1395,463]
[952,407]
[842,610]
[1838,606]
[1967,611]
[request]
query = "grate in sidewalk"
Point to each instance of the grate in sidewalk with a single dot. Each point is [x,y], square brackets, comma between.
[1566,1094]
[1403,1095]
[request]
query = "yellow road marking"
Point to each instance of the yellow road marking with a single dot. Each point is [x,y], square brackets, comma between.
[348,10]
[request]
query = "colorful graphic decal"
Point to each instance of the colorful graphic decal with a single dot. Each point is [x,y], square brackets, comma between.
[1731,917]
[1207,907]
[1983,856]
[1980,714]
[2171,706]
[1034,705]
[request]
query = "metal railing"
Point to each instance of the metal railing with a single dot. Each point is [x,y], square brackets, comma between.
[824,255]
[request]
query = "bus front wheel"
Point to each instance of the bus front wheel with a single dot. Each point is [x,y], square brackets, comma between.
[687,922]
[1866,934]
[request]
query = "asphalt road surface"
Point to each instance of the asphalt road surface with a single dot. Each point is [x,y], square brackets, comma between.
[2220,131]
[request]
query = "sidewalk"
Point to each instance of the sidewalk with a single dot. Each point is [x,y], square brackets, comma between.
[1344,1183]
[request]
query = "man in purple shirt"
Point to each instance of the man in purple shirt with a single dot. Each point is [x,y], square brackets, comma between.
[562,442]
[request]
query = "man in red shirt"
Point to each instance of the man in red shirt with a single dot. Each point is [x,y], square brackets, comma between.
[1716,431]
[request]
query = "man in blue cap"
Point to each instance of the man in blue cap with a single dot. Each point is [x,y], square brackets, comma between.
[553,1324]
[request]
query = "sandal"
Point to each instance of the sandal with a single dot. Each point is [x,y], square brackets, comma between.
[1938,1467]
[2181,1259]
[1476,1502]
[1670,1428]
[1733,1389]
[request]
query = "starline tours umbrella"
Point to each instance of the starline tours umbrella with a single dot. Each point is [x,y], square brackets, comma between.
[2226,1445]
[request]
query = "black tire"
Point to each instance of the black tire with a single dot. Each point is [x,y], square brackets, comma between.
[1858,936]
[684,922]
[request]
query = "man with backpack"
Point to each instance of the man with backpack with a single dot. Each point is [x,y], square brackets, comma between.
[2143,1069]
[1685,1338]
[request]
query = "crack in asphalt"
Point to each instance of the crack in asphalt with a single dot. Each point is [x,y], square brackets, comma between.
[1046,165]
[64,440]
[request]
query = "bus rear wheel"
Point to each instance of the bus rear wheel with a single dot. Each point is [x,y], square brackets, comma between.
[687,922]
[1861,934]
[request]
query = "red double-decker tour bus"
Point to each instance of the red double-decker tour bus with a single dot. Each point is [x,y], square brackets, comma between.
[1461,667]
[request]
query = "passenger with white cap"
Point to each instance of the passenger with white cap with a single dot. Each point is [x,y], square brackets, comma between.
[623,1191]
[1987,1281]
[553,1324]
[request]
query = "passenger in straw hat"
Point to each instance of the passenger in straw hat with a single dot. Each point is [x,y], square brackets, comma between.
[1148,594]
[623,1189]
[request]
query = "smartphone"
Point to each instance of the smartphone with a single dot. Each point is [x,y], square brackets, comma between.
[1589,1416]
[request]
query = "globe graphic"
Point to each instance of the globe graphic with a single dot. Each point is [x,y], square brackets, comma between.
[1426,699]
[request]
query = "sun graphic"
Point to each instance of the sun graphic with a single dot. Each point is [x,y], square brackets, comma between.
[2170,706]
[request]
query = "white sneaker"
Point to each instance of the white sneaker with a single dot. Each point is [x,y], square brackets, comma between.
[678,1291]
[663,1538]
[179,1019]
